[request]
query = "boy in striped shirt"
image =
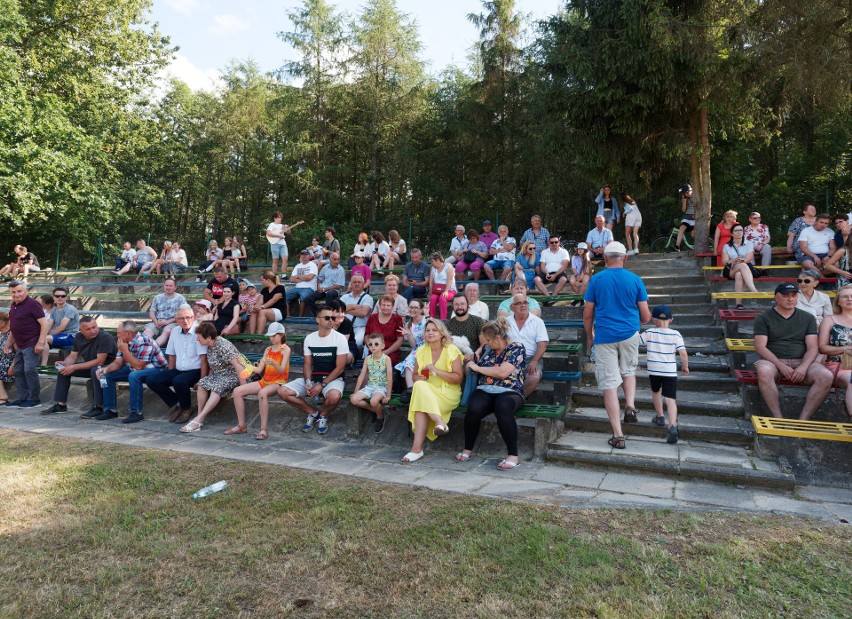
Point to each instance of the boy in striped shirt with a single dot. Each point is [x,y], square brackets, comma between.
[663,345]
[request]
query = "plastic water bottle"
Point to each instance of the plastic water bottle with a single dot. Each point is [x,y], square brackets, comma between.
[60,366]
[213,489]
[102,378]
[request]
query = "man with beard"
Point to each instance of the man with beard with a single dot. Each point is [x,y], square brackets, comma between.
[464,324]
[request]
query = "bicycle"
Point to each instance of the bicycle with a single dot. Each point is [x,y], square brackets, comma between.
[664,243]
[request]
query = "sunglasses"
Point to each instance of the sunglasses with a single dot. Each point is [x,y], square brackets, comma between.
[804,281]
[374,344]
[59,296]
[554,242]
[327,318]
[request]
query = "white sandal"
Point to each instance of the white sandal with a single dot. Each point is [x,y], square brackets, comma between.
[411,457]
[192,426]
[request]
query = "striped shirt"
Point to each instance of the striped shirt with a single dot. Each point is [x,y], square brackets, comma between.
[662,346]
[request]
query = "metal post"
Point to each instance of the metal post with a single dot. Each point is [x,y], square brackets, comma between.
[410,237]
[58,249]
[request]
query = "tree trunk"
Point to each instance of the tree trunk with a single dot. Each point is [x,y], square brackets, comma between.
[699,135]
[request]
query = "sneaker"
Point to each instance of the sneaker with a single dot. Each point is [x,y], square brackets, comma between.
[630,416]
[671,439]
[92,413]
[106,415]
[379,425]
[133,418]
[30,404]
[405,396]
[322,425]
[56,408]
[310,421]
[14,404]
[674,249]
[659,421]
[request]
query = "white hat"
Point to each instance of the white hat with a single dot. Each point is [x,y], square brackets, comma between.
[274,328]
[615,248]
[204,303]
[582,245]
[358,253]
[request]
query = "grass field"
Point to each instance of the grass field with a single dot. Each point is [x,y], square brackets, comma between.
[93,530]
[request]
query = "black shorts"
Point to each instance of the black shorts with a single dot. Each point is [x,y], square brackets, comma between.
[687,224]
[667,383]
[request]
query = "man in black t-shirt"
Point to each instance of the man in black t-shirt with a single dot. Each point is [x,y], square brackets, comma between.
[221,280]
[785,337]
[92,349]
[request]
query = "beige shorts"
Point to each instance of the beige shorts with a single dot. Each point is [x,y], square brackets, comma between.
[816,366]
[613,361]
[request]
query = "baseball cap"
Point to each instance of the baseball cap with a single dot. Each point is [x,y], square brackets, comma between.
[487,222]
[275,327]
[615,248]
[582,245]
[358,252]
[204,303]
[305,252]
[248,283]
[786,288]
[663,312]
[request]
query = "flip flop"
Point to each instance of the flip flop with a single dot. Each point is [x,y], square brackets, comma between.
[462,457]
[192,426]
[441,430]
[411,457]
[505,465]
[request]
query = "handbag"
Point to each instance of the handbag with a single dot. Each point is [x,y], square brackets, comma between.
[469,257]
[470,384]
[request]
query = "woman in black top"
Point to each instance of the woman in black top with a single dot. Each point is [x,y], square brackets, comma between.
[273,306]
[227,313]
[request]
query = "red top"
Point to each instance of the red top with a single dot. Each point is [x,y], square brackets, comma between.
[724,237]
[23,322]
[390,330]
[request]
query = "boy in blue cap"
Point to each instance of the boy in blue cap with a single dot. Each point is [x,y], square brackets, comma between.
[663,345]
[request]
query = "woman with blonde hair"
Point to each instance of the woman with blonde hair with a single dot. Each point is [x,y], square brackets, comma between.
[164,259]
[398,250]
[835,340]
[500,390]
[438,376]
[723,235]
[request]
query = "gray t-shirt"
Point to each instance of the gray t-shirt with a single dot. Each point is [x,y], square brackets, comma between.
[165,308]
[70,312]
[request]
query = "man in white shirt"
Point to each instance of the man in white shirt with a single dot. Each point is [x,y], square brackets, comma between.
[529,330]
[358,304]
[553,266]
[187,364]
[816,243]
[304,275]
[503,250]
[457,245]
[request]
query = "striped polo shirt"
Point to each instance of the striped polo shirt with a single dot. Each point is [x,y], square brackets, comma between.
[662,348]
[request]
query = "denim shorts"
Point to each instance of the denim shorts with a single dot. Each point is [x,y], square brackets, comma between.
[279,250]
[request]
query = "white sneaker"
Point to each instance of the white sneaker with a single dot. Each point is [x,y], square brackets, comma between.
[630,252]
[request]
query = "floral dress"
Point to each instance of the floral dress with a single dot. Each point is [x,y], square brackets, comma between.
[796,228]
[417,331]
[6,360]
[223,377]
[515,354]
[844,265]
[839,336]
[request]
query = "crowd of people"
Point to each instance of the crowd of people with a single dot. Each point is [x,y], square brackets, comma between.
[454,345]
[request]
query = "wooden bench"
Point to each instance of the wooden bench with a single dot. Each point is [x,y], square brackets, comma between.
[792,280]
[800,428]
[732,318]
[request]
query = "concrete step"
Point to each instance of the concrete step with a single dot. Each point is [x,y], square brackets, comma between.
[717,378]
[658,298]
[688,458]
[702,402]
[692,427]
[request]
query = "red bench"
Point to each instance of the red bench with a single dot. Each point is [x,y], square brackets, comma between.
[749,377]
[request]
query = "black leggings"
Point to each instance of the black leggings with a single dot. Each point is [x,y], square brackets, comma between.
[503,405]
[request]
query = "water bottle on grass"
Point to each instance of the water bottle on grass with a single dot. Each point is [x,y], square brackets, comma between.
[213,489]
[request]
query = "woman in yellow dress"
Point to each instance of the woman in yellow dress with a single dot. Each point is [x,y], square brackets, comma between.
[436,393]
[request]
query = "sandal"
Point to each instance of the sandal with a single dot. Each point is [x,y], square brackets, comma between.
[4,401]
[740,306]
[506,465]
[237,429]
[441,430]
[261,436]
[462,457]
[617,442]
[630,415]
[411,457]
[192,426]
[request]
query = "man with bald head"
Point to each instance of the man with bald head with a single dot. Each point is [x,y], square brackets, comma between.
[598,238]
[529,330]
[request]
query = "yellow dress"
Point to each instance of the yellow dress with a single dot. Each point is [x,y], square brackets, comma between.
[435,395]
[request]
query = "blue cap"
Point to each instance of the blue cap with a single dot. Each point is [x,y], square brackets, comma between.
[786,288]
[662,312]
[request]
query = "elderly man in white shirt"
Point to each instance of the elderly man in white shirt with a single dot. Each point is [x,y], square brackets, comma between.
[475,307]
[529,330]
[457,245]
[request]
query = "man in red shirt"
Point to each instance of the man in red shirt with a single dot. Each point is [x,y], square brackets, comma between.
[29,330]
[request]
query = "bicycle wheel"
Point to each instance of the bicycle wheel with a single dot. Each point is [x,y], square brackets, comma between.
[659,245]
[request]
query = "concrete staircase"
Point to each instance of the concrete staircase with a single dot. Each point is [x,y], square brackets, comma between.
[715,437]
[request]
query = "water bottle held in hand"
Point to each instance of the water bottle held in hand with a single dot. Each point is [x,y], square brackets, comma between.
[212,489]
[101,378]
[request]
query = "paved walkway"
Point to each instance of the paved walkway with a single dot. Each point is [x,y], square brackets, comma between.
[534,482]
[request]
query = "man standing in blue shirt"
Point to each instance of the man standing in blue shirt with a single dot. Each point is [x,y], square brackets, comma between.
[616,306]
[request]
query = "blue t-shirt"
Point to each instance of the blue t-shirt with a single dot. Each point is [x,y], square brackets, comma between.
[615,293]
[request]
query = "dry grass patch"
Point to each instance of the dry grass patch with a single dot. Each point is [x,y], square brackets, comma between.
[109,531]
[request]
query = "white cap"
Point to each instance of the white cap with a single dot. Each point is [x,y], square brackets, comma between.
[615,248]
[274,328]
[582,245]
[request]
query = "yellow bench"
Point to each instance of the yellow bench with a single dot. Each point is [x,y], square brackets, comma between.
[798,428]
[739,345]
[745,294]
